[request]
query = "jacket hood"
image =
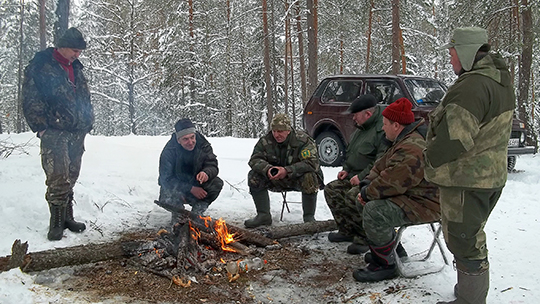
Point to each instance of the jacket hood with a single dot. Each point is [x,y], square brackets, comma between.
[494,67]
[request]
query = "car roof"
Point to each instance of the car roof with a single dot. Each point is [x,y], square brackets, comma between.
[363,76]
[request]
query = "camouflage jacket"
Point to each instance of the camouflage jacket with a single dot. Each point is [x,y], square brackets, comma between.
[49,98]
[469,131]
[365,146]
[297,154]
[179,167]
[399,177]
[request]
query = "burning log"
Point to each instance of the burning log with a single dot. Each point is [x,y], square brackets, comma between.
[176,249]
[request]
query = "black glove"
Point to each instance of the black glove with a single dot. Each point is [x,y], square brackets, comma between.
[363,194]
[364,183]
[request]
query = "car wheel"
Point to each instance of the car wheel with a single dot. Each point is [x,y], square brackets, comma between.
[511,162]
[331,149]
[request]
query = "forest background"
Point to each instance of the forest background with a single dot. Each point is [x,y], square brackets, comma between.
[230,65]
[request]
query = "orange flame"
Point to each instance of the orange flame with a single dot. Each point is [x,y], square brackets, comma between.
[223,235]
[222,232]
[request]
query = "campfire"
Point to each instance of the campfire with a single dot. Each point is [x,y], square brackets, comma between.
[196,245]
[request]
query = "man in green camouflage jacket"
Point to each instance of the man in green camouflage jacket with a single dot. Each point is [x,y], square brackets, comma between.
[283,160]
[56,105]
[466,154]
[367,143]
[395,192]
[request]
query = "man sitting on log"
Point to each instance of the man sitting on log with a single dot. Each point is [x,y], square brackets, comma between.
[188,170]
[283,160]
[395,193]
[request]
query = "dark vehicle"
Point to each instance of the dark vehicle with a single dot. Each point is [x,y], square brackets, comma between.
[325,120]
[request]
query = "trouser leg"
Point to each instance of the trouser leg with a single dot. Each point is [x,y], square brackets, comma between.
[464,215]
[380,219]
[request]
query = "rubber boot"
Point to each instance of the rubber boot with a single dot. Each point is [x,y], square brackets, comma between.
[56,223]
[309,204]
[198,208]
[383,266]
[472,288]
[401,252]
[70,222]
[262,204]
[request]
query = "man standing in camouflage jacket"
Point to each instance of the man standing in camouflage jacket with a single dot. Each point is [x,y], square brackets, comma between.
[367,143]
[466,154]
[56,105]
[395,192]
[283,160]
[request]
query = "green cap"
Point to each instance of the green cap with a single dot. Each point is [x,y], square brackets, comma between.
[467,41]
[281,122]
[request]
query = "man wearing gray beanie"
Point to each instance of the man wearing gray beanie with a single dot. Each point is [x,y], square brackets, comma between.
[188,170]
[56,105]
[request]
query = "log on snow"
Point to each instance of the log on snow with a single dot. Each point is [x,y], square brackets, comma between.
[309,228]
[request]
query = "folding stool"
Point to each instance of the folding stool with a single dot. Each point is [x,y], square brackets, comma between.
[423,265]
[285,204]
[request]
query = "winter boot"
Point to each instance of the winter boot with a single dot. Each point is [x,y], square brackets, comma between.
[262,204]
[198,208]
[56,223]
[309,204]
[471,287]
[70,222]
[401,252]
[383,266]
[337,237]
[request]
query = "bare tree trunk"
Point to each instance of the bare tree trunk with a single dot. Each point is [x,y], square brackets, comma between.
[395,37]
[20,123]
[42,26]
[526,62]
[267,71]
[191,49]
[370,29]
[312,46]
[286,59]
[230,94]
[61,24]
[293,103]
[131,64]
[303,86]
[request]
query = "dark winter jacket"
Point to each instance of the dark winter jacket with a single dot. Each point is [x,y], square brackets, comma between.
[469,130]
[179,167]
[298,155]
[366,145]
[399,177]
[50,100]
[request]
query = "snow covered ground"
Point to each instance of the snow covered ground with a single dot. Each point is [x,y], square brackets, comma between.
[118,185]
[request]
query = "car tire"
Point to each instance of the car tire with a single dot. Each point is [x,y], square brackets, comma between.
[331,149]
[511,162]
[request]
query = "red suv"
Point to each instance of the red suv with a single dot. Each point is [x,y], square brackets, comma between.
[324,118]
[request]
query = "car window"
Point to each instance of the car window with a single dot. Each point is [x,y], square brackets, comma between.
[425,91]
[385,91]
[341,91]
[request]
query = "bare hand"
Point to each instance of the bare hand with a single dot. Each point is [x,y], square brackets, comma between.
[355,181]
[360,200]
[202,177]
[198,192]
[342,174]
[281,173]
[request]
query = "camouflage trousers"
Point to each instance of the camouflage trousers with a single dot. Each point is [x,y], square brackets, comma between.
[61,156]
[173,196]
[380,219]
[340,197]
[464,214]
[307,183]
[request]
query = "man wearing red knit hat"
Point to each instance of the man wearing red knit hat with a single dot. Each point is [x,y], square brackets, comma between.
[395,192]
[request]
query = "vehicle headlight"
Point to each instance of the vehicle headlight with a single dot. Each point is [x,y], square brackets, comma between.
[522,138]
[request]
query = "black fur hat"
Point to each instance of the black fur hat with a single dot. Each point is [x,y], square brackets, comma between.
[73,39]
